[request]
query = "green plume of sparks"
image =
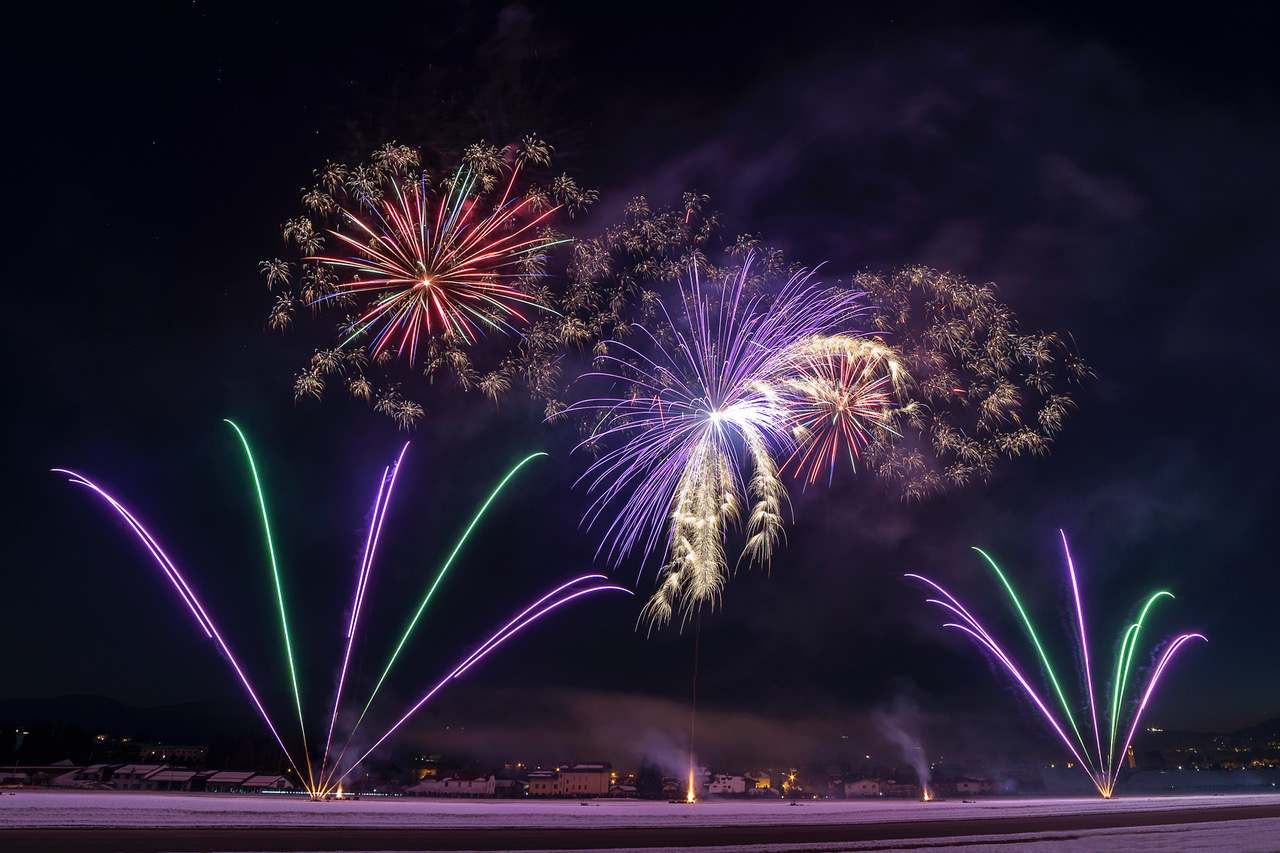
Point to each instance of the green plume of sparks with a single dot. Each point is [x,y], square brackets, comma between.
[1124,663]
[1026,622]
[275,573]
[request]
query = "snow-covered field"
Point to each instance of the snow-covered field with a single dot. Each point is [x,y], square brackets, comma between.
[40,808]
[53,809]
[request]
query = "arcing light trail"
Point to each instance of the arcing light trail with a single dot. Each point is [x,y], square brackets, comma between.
[275,575]
[1104,761]
[322,781]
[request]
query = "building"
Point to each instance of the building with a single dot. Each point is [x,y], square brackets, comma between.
[184,755]
[83,777]
[258,784]
[972,785]
[455,786]
[722,784]
[862,788]
[586,780]
[893,788]
[135,777]
[225,781]
[426,767]
[171,779]
[580,780]
[544,783]
[510,788]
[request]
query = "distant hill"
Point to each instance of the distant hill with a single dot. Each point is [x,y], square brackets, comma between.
[1266,730]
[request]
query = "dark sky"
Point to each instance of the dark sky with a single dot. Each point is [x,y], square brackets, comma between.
[1114,174]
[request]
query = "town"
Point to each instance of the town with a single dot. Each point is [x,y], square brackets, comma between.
[1165,760]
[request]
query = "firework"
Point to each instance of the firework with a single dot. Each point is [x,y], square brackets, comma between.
[839,391]
[1095,742]
[322,779]
[435,267]
[982,388]
[705,405]
[417,267]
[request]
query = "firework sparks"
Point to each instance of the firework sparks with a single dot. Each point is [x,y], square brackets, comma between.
[839,393]
[691,415]
[436,269]
[982,389]
[1104,761]
[315,780]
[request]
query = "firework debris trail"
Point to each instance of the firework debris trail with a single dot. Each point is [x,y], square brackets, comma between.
[1104,761]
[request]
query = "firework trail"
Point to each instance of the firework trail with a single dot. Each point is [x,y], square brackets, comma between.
[436,269]
[426,599]
[321,784]
[689,417]
[385,486]
[558,597]
[1104,761]
[275,575]
[188,598]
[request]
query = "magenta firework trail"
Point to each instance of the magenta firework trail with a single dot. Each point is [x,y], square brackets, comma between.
[323,778]
[1104,760]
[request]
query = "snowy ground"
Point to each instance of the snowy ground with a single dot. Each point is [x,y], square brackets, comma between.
[58,809]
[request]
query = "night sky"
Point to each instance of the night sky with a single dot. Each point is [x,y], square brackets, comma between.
[1115,175]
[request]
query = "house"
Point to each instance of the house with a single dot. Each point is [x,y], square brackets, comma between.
[544,783]
[510,788]
[862,788]
[580,780]
[586,780]
[480,786]
[226,781]
[722,784]
[973,785]
[622,791]
[906,790]
[174,754]
[258,784]
[455,786]
[171,779]
[134,777]
[82,777]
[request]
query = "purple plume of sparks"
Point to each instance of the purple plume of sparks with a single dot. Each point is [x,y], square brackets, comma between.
[1104,761]
[325,783]
[690,415]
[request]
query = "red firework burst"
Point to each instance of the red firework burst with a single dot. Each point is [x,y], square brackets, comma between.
[439,266]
